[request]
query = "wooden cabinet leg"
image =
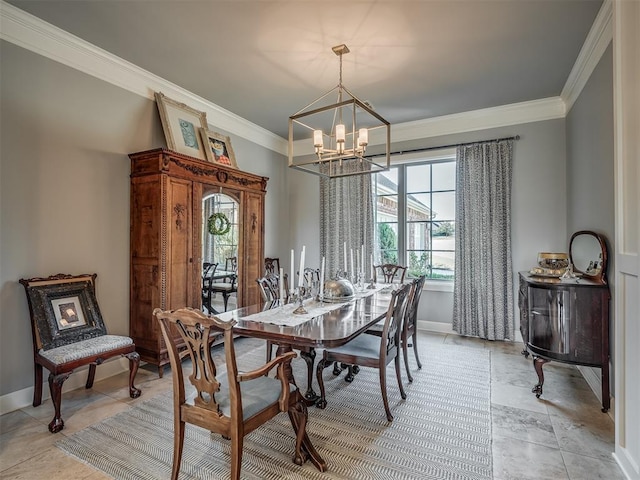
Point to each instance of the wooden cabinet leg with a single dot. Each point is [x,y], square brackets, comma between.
[538,362]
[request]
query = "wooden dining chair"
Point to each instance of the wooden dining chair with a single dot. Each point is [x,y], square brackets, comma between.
[389,273]
[409,331]
[372,351]
[227,285]
[233,403]
[270,287]
[270,293]
[208,271]
[272,265]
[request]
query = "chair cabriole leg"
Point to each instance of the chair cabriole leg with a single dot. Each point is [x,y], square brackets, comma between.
[37,387]
[55,387]
[134,363]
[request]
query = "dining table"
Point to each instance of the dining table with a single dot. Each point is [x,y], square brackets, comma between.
[322,325]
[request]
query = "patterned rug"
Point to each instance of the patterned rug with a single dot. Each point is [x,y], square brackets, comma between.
[441,431]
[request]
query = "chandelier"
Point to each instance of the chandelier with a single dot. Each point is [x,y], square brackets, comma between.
[331,140]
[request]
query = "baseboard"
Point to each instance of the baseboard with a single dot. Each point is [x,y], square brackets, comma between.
[438,327]
[590,374]
[24,398]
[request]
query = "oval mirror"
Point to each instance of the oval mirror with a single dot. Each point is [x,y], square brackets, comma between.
[588,254]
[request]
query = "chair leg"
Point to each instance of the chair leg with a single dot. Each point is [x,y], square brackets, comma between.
[415,348]
[405,356]
[236,456]
[298,416]
[91,376]
[399,377]
[37,385]
[134,363]
[178,443]
[55,387]
[225,297]
[383,389]
[269,350]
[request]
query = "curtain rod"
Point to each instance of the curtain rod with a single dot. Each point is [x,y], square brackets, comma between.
[426,149]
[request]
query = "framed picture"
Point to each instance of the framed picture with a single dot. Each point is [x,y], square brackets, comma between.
[218,148]
[181,124]
[65,311]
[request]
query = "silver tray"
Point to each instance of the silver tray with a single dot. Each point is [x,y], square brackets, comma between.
[337,299]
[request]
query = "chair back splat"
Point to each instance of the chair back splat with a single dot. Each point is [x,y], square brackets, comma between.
[232,404]
[390,273]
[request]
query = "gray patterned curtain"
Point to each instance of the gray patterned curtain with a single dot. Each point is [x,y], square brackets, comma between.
[346,215]
[483,290]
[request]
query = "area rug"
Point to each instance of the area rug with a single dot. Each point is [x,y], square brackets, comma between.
[441,431]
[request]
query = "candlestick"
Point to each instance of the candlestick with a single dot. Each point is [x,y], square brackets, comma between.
[322,279]
[352,271]
[301,280]
[281,285]
[345,256]
[292,278]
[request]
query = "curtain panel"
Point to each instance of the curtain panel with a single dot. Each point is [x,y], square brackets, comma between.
[483,289]
[346,216]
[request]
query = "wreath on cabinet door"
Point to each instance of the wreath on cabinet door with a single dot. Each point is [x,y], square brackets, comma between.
[218,224]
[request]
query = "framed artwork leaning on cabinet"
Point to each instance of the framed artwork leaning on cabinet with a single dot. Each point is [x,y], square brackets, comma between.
[181,125]
[218,148]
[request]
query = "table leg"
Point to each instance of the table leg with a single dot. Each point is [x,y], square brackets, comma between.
[309,356]
[297,413]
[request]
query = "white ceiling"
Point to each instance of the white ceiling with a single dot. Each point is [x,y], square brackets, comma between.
[412,60]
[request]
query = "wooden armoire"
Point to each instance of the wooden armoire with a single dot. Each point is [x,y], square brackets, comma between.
[167,189]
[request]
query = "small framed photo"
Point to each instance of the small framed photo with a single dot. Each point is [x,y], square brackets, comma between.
[65,310]
[218,148]
[181,125]
[68,312]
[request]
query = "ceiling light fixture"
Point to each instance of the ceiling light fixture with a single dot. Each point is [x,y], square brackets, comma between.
[332,139]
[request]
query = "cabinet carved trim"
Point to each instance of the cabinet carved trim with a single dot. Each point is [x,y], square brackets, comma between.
[166,238]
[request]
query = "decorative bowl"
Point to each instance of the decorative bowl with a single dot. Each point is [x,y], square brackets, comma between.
[553,261]
[338,290]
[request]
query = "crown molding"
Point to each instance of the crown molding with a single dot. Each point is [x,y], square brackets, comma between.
[505,115]
[598,39]
[38,36]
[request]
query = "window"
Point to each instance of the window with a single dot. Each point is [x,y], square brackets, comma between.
[415,217]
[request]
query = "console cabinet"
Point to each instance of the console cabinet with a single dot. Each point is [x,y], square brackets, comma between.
[167,189]
[566,320]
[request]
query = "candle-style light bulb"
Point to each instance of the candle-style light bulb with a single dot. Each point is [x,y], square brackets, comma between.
[363,137]
[340,137]
[317,139]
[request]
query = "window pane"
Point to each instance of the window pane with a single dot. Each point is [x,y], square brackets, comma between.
[418,235]
[387,208]
[443,264]
[418,178]
[418,206]
[387,243]
[444,206]
[386,182]
[419,263]
[444,176]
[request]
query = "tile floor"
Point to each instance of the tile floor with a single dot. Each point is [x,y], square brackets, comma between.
[562,435]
